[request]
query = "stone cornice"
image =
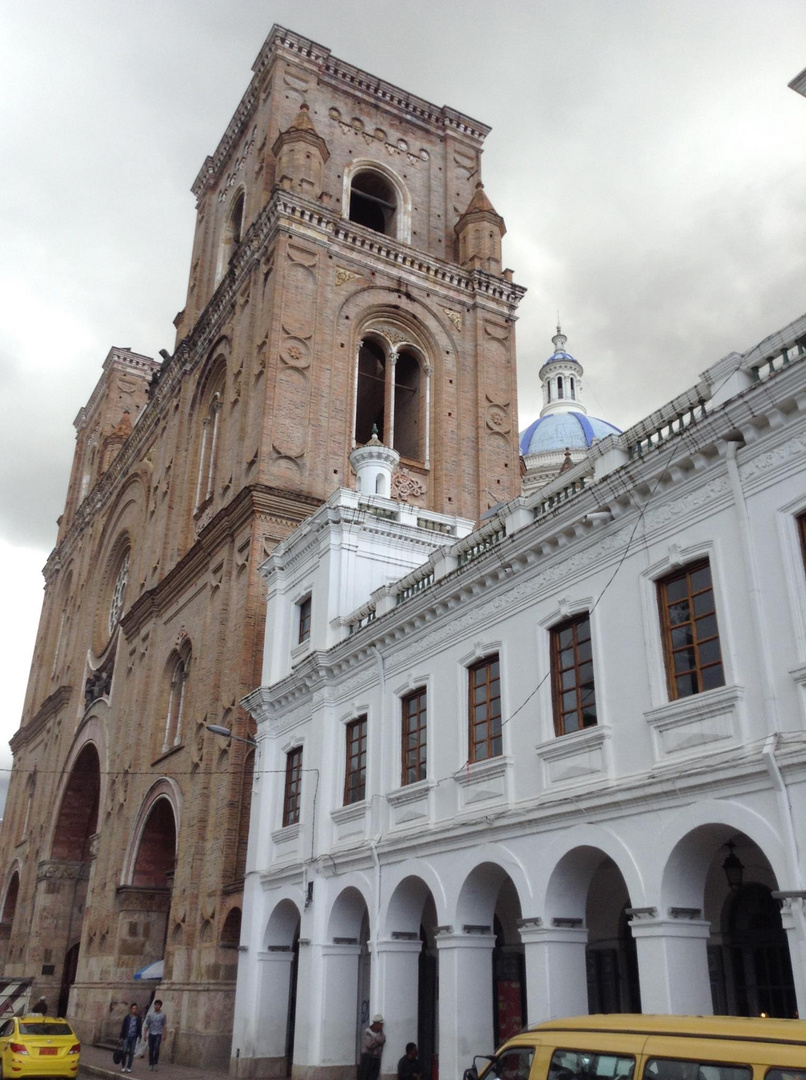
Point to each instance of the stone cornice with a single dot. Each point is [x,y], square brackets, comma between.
[46,711]
[337,73]
[250,503]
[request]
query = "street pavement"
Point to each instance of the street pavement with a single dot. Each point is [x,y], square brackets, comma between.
[97,1061]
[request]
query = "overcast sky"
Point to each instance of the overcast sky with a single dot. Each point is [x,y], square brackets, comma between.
[647,156]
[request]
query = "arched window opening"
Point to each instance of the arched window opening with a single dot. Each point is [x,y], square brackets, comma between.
[373,202]
[236,220]
[572,391]
[560,386]
[371,392]
[208,458]
[78,815]
[407,411]
[10,904]
[231,930]
[176,702]
[156,855]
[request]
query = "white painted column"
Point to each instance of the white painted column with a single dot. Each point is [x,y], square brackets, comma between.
[271,1021]
[794,923]
[395,988]
[673,965]
[556,972]
[339,1003]
[465,1000]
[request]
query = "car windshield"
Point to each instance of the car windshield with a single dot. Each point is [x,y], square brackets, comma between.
[45,1029]
[512,1065]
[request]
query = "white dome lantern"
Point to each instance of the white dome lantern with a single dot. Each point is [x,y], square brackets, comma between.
[374,465]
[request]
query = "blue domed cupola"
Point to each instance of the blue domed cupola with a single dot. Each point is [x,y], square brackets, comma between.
[563,425]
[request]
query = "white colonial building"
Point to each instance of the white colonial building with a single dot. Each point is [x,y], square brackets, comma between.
[554,765]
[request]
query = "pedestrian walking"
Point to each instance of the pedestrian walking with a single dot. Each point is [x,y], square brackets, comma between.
[130,1031]
[155,1028]
[371,1050]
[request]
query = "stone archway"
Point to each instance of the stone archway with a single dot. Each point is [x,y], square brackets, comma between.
[63,880]
[407,955]
[347,967]
[144,900]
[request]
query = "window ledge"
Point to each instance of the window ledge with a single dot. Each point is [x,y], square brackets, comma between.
[691,723]
[168,753]
[349,813]
[299,652]
[481,771]
[572,742]
[409,793]
[286,833]
[578,757]
[708,703]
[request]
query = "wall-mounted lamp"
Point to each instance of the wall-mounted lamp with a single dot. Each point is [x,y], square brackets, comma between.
[733,867]
[225,732]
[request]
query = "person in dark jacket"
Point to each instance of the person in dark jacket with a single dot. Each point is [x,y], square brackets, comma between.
[409,1067]
[130,1031]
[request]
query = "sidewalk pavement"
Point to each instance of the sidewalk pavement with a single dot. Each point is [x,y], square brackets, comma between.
[97,1061]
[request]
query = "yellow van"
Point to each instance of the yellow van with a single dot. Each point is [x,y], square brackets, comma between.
[637,1047]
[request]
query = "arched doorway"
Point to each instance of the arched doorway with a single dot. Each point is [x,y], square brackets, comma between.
[408,954]
[756,944]
[277,1004]
[348,974]
[145,902]
[611,956]
[62,902]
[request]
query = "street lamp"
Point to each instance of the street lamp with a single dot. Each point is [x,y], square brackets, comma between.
[219,729]
[733,867]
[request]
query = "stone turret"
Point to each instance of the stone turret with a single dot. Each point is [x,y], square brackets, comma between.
[480,230]
[301,156]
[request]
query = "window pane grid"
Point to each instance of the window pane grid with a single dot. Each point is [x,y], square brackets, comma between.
[485,710]
[414,737]
[293,786]
[572,676]
[355,778]
[690,632]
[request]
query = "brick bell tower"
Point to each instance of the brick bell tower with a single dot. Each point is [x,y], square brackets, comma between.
[346,274]
[343,224]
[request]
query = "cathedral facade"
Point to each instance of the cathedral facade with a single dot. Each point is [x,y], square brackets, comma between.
[346,281]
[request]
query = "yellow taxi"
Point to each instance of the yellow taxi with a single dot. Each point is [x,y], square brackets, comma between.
[38,1045]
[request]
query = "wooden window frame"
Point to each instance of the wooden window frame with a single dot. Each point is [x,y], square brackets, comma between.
[492,741]
[292,794]
[696,644]
[304,608]
[414,760]
[355,769]
[581,687]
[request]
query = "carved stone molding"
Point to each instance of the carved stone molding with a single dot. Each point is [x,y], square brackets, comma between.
[56,870]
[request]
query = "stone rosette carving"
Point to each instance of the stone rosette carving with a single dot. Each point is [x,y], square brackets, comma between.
[454,316]
[497,418]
